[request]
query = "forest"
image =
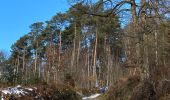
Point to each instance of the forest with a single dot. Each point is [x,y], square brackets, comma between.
[119,46]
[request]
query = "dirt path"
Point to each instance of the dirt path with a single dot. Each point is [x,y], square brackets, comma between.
[96,98]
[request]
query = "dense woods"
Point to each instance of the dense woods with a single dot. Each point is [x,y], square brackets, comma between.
[102,43]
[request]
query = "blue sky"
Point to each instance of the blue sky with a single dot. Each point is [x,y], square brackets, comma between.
[17,15]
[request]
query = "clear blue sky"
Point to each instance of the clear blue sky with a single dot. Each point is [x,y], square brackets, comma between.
[17,15]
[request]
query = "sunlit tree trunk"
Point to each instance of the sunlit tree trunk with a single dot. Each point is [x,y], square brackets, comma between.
[18,64]
[109,74]
[59,58]
[59,51]
[35,62]
[39,68]
[95,56]
[88,68]
[156,7]
[78,52]
[23,60]
[74,48]
[144,41]
[135,27]
[134,15]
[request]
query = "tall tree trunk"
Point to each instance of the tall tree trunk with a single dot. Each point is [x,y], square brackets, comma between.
[94,59]
[74,47]
[136,44]
[18,63]
[59,58]
[78,52]
[108,66]
[23,65]
[23,60]
[88,68]
[156,48]
[134,15]
[59,51]
[144,41]
[35,62]
[39,68]
[156,6]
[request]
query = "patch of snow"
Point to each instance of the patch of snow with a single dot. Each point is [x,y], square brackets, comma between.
[92,96]
[15,90]
[18,91]
[18,86]
[34,87]
[30,89]
[5,92]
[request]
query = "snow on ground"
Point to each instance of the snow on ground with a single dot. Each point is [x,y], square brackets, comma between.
[18,90]
[15,90]
[21,91]
[92,96]
[30,89]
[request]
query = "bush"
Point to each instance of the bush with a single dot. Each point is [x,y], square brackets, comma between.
[88,92]
[134,89]
[144,91]
[69,80]
[58,92]
[123,89]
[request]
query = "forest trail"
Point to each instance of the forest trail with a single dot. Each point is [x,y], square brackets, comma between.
[93,97]
[97,98]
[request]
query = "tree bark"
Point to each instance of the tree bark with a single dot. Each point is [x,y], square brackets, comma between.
[23,59]
[74,47]
[35,62]
[94,59]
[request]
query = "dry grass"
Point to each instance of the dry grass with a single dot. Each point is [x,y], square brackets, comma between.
[132,88]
